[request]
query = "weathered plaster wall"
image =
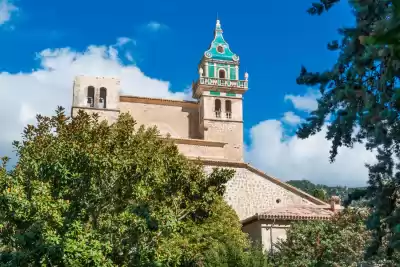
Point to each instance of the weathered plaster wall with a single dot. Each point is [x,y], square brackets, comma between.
[254,231]
[267,232]
[249,193]
[80,90]
[108,115]
[180,122]
[272,231]
[194,150]
[229,130]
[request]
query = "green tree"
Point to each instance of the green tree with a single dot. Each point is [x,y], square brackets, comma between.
[85,193]
[356,195]
[320,194]
[360,94]
[338,242]
[229,255]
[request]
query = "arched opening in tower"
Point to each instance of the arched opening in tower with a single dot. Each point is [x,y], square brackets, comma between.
[221,74]
[90,96]
[217,108]
[228,109]
[103,97]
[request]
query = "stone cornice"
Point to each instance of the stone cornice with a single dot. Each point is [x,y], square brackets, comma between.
[197,142]
[222,120]
[158,101]
[198,89]
[219,61]
[236,164]
[97,109]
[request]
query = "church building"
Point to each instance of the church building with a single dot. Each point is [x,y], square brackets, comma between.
[211,129]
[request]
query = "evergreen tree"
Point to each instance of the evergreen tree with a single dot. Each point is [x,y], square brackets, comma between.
[361,95]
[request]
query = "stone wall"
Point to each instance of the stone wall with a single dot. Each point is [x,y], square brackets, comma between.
[249,193]
[179,121]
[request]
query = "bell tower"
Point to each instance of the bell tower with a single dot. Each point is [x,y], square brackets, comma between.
[220,94]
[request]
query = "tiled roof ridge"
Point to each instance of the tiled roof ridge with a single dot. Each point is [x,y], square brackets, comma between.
[289,213]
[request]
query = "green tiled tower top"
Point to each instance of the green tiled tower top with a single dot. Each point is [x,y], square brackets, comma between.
[219,48]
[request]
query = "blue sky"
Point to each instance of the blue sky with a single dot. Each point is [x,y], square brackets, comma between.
[164,40]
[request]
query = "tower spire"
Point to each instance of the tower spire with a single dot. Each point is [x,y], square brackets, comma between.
[218,29]
[219,48]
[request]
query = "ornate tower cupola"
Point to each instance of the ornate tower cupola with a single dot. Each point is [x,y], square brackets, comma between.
[219,67]
[219,91]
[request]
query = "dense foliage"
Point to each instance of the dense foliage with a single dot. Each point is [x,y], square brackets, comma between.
[85,193]
[339,242]
[228,255]
[361,96]
[316,189]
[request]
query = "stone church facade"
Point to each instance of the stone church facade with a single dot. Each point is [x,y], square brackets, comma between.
[211,128]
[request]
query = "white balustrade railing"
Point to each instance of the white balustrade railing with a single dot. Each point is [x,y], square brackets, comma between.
[223,82]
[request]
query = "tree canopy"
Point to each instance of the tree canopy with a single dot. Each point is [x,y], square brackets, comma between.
[320,194]
[360,102]
[85,193]
[338,242]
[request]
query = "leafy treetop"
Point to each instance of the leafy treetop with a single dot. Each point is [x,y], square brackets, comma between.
[85,193]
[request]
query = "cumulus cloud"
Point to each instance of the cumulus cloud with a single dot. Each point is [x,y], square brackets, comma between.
[289,158]
[23,95]
[121,41]
[306,102]
[291,118]
[7,10]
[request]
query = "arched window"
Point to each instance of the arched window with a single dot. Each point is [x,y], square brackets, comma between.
[103,97]
[217,108]
[228,109]
[221,74]
[90,96]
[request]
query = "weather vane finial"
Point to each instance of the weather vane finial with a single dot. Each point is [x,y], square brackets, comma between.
[218,24]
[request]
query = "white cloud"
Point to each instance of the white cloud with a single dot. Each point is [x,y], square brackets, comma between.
[290,158]
[291,118]
[154,26]
[287,157]
[7,9]
[129,56]
[307,102]
[23,95]
[121,41]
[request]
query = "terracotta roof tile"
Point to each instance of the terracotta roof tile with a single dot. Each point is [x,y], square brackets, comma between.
[302,212]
